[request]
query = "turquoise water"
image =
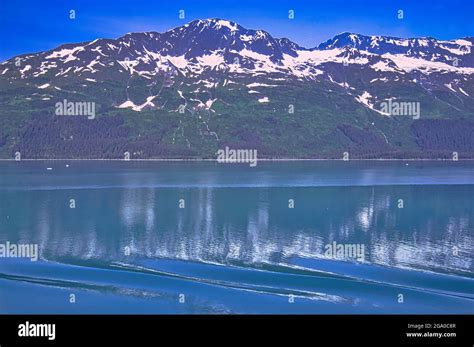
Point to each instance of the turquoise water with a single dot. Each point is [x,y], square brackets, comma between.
[237,246]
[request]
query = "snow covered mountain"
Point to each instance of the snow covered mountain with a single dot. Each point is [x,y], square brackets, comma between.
[216,66]
[212,43]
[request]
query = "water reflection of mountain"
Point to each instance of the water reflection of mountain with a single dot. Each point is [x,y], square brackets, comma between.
[255,225]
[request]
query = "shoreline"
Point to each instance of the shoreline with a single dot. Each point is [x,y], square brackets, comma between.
[263,159]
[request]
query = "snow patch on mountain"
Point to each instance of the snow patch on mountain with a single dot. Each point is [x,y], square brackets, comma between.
[212,60]
[409,64]
[383,66]
[366,100]
[130,104]
[255,84]
[226,24]
[180,62]
[66,53]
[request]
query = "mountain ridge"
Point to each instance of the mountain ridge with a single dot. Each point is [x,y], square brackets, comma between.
[344,33]
[211,74]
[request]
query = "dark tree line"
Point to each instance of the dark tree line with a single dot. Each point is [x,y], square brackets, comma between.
[444,134]
[78,137]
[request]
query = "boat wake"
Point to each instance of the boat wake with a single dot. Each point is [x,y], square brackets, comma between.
[301,285]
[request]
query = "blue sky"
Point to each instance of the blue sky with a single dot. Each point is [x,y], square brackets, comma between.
[31,26]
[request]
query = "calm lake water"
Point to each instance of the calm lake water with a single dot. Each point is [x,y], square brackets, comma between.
[248,240]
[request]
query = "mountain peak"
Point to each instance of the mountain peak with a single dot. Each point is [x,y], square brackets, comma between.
[343,39]
[214,23]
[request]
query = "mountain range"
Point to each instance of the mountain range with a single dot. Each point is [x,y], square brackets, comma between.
[212,83]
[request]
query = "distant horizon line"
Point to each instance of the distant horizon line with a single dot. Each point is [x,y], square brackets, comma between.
[215,160]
